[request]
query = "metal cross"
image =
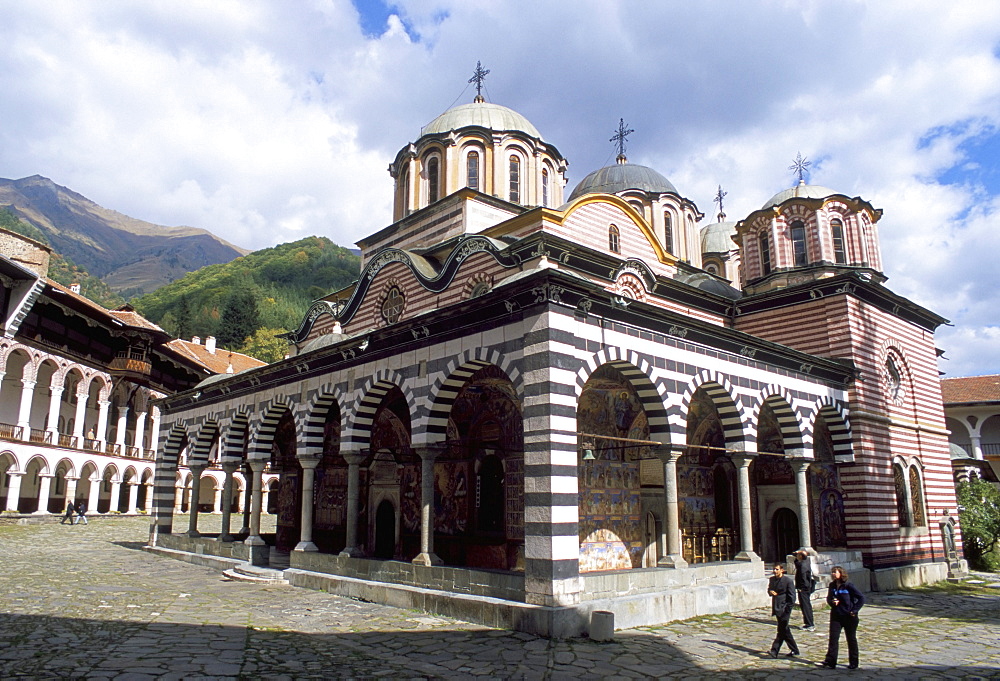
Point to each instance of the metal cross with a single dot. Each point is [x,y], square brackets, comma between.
[478,77]
[800,166]
[620,135]
[719,195]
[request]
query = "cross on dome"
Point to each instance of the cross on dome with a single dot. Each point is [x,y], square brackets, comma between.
[478,76]
[619,138]
[800,166]
[719,195]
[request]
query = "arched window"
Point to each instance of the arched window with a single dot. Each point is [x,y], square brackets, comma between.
[909,486]
[472,170]
[902,496]
[545,187]
[614,239]
[668,232]
[432,180]
[799,243]
[514,172]
[765,254]
[839,251]
[917,497]
[405,180]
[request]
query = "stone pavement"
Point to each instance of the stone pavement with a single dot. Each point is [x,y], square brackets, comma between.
[86,602]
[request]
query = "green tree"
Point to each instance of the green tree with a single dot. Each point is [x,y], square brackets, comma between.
[979,514]
[265,345]
[182,318]
[240,317]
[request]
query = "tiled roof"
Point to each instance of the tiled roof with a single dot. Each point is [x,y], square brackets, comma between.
[971,389]
[217,362]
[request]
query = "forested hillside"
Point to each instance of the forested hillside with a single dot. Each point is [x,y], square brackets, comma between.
[269,290]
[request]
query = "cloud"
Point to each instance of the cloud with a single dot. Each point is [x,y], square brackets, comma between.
[266,121]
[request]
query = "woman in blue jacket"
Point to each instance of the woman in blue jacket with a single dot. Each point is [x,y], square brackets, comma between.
[845,601]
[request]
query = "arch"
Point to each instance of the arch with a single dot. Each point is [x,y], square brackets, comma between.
[234,444]
[40,461]
[358,435]
[720,391]
[638,372]
[789,422]
[263,435]
[314,426]
[835,414]
[446,388]
[206,437]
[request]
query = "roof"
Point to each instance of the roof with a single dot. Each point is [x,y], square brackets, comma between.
[799,191]
[125,314]
[481,114]
[621,177]
[971,389]
[217,362]
[717,237]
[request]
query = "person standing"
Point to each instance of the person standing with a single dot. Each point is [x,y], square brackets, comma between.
[81,514]
[845,601]
[782,591]
[805,584]
[70,512]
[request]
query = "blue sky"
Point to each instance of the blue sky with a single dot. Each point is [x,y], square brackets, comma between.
[265,121]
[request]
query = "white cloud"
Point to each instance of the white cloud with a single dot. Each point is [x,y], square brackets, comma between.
[267,121]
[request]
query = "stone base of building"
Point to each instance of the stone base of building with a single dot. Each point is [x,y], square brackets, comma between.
[904,576]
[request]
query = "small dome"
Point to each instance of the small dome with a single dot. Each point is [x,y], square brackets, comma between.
[621,177]
[799,191]
[482,114]
[717,237]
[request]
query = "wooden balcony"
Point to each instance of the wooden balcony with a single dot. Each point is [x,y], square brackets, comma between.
[130,365]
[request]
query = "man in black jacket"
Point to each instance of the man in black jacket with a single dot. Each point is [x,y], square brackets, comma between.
[782,591]
[805,584]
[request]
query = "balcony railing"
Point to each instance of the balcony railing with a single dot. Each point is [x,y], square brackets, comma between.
[129,362]
[36,435]
[67,441]
[9,431]
[991,449]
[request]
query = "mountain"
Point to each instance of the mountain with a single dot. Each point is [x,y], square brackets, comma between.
[283,280]
[132,256]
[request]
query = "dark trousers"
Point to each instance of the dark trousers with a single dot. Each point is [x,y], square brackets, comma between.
[850,627]
[805,604]
[784,636]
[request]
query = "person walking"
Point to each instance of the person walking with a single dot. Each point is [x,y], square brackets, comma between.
[70,512]
[782,591]
[845,601]
[81,513]
[805,584]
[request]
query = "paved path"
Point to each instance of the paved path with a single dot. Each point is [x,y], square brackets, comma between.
[85,602]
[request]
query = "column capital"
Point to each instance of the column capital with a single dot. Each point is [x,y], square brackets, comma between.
[231,466]
[354,458]
[257,465]
[667,453]
[742,459]
[800,464]
[309,462]
[428,453]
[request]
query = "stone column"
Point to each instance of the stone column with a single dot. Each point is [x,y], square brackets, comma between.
[354,459]
[133,497]
[154,428]
[801,467]
[53,427]
[140,431]
[257,468]
[308,482]
[70,491]
[94,495]
[179,497]
[196,472]
[247,498]
[673,555]
[44,486]
[743,462]
[122,426]
[101,432]
[79,416]
[217,500]
[229,468]
[24,410]
[149,497]
[13,490]
[427,556]
[116,490]
[977,447]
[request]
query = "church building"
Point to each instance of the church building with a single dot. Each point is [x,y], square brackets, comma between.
[533,404]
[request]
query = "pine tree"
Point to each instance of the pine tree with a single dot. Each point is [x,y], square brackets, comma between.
[240,318]
[182,318]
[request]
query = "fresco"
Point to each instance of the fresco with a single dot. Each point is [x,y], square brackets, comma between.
[610,505]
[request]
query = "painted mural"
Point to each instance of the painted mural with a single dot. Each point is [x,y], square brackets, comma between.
[826,496]
[610,503]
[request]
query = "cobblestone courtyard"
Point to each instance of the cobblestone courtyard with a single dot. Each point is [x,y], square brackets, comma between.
[86,602]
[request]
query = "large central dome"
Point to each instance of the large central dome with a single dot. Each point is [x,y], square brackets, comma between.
[621,177]
[481,114]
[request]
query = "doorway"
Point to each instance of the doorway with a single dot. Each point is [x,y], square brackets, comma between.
[785,527]
[385,531]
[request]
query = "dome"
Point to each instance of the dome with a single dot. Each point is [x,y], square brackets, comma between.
[620,177]
[482,114]
[799,191]
[718,237]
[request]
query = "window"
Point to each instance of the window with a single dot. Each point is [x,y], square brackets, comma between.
[839,252]
[392,306]
[405,180]
[765,255]
[545,187]
[909,486]
[472,170]
[799,244]
[480,289]
[668,232]
[614,239]
[514,193]
[432,180]
[712,269]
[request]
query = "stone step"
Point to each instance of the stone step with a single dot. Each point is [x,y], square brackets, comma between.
[245,572]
